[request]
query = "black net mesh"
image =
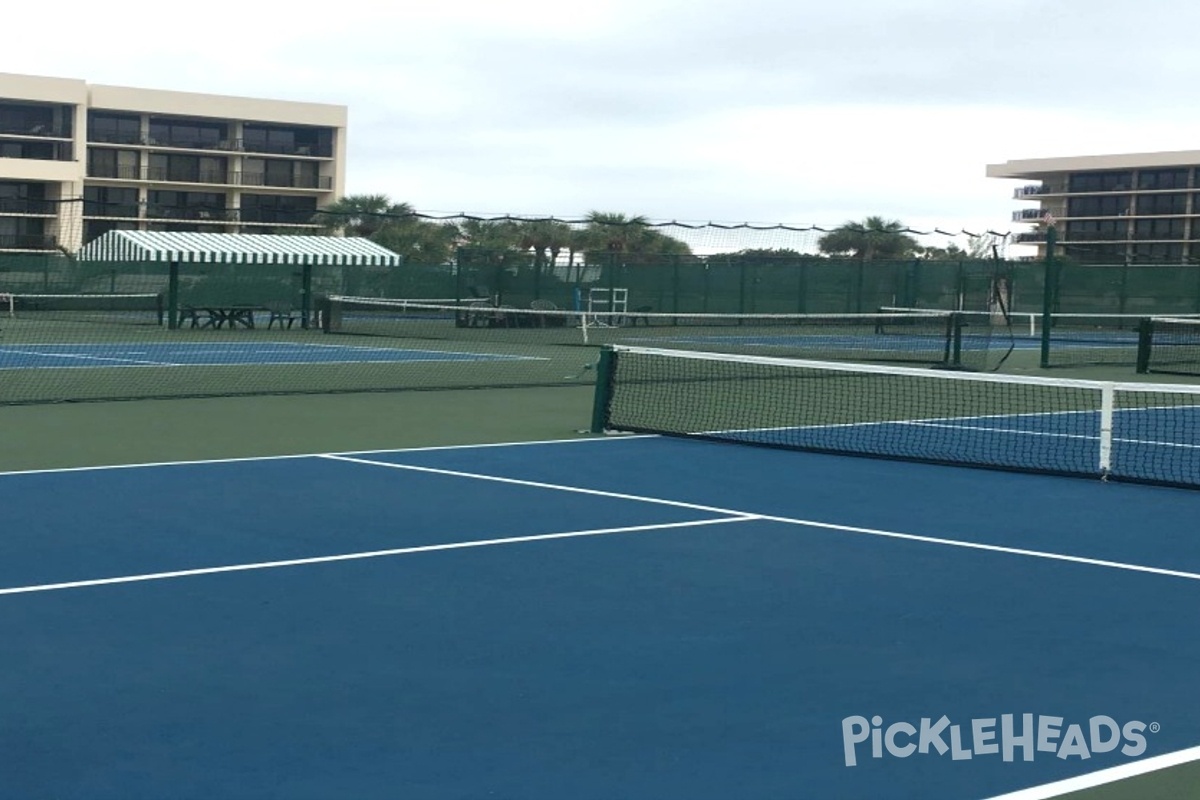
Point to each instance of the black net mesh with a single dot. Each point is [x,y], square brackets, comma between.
[1122,431]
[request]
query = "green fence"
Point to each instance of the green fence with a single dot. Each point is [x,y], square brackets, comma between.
[680,284]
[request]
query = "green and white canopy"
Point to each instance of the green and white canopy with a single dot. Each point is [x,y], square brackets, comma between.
[236,248]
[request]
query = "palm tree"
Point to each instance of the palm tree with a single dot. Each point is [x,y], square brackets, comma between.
[362,214]
[874,237]
[614,232]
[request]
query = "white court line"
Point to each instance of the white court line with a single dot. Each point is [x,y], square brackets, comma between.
[730,515]
[910,537]
[1104,776]
[81,357]
[397,551]
[376,451]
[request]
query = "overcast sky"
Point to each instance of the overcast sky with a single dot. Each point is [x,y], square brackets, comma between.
[772,111]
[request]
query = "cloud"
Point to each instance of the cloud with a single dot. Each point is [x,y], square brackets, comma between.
[762,110]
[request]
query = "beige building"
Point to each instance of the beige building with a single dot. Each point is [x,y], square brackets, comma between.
[1136,207]
[78,160]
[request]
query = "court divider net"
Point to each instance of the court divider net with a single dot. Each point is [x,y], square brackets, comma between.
[60,348]
[1170,345]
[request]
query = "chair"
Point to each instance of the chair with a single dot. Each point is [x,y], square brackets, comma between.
[281,314]
[547,320]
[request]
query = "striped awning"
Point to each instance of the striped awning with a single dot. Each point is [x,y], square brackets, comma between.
[236,248]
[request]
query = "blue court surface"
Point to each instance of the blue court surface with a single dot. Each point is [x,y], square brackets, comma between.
[1157,444]
[169,354]
[633,617]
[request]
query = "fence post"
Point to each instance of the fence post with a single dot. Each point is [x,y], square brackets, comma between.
[173,295]
[1050,284]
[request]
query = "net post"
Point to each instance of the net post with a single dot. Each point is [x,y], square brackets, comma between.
[1049,282]
[325,315]
[956,331]
[173,294]
[603,396]
[1107,397]
[1145,342]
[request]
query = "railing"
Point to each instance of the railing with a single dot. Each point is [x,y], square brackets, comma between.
[105,137]
[155,211]
[96,209]
[310,149]
[1029,191]
[31,150]
[25,205]
[275,216]
[48,131]
[169,175]
[27,241]
[289,182]
[1028,215]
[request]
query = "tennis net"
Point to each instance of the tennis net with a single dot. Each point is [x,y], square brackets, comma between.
[1074,339]
[1124,431]
[933,338]
[118,309]
[1170,345]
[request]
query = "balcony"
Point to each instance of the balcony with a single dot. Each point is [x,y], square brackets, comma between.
[1032,190]
[220,178]
[309,149]
[252,147]
[1033,237]
[28,206]
[35,150]
[1028,215]
[47,131]
[277,216]
[27,241]
[323,182]
[196,213]
[125,210]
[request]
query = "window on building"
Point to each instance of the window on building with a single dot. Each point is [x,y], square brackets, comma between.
[188,133]
[23,233]
[277,210]
[114,128]
[33,119]
[1100,181]
[1158,251]
[1115,205]
[297,140]
[110,201]
[19,197]
[185,205]
[1162,179]
[1098,230]
[1158,229]
[1161,204]
[106,163]
[37,151]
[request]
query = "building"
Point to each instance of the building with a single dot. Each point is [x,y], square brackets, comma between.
[1135,207]
[78,160]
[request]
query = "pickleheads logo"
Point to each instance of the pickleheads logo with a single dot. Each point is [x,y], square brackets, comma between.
[1028,734]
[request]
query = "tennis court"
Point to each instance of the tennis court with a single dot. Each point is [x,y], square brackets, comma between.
[621,617]
[210,353]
